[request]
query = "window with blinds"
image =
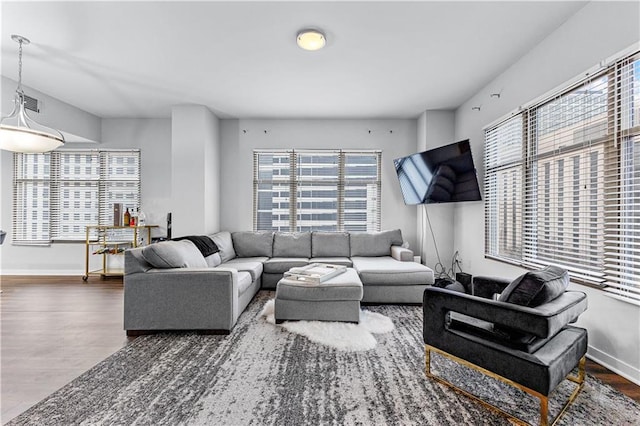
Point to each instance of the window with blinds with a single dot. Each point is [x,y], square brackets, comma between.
[323,190]
[562,182]
[57,194]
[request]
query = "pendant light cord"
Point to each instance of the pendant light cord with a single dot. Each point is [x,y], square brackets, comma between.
[19,88]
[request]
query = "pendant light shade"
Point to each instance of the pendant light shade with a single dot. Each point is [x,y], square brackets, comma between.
[18,131]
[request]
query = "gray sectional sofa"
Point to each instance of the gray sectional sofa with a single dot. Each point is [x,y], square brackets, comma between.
[172,286]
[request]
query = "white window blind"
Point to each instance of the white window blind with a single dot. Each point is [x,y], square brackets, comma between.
[503,185]
[622,185]
[329,190]
[563,182]
[57,194]
[31,198]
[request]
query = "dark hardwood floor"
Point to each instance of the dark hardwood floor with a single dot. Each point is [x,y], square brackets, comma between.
[55,328]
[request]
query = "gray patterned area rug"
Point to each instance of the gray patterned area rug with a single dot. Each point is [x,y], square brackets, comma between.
[264,375]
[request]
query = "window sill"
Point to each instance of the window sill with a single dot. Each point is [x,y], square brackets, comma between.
[622,298]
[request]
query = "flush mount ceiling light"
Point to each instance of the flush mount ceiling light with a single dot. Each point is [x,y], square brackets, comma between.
[310,39]
[18,131]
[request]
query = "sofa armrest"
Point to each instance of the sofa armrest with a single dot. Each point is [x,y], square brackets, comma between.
[543,321]
[181,299]
[402,254]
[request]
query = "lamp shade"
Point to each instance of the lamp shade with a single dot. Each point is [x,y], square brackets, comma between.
[21,139]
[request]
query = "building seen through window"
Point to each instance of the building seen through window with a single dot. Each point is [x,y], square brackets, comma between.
[317,190]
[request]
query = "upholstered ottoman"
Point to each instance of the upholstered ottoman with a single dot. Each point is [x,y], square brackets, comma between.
[337,299]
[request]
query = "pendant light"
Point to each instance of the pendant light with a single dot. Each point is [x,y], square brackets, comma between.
[18,131]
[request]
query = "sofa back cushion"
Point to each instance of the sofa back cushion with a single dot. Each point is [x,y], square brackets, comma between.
[174,254]
[292,244]
[536,287]
[225,245]
[374,243]
[253,244]
[330,244]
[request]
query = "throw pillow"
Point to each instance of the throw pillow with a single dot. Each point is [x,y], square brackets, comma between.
[225,245]
[213,260]
[173,254]
[536,287]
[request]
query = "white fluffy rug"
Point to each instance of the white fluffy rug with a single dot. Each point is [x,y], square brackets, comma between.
[339,335]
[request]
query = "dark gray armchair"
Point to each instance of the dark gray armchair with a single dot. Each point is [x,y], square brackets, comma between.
[531,347]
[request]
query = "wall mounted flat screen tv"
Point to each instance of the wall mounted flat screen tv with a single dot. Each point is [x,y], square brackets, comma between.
[441,175]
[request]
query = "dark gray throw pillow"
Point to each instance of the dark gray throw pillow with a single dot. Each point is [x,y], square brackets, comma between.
[536,287]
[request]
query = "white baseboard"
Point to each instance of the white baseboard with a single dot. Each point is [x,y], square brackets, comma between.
[77,272]
[625,370]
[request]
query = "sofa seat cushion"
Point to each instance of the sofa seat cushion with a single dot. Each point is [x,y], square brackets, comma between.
[342,261]
[252,265]
[330,244]
[244,281]
[174,254]
[385,270]
[280,265]
[292,244]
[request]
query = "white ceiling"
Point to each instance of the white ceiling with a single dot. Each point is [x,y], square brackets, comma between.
[382,59]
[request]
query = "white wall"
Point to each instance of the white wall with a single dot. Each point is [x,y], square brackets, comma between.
[596,32]
[195,141]
[237,167]
[153,137]
[436,128]
[212,161]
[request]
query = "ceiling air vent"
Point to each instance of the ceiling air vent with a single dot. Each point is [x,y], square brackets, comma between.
[31,103]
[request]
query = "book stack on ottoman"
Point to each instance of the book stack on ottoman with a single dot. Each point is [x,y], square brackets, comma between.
[319,292]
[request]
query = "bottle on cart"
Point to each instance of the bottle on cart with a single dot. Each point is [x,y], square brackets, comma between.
[142,218]
[134,217]
[127,218]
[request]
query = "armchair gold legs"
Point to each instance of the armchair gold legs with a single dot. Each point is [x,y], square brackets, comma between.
[544,399]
